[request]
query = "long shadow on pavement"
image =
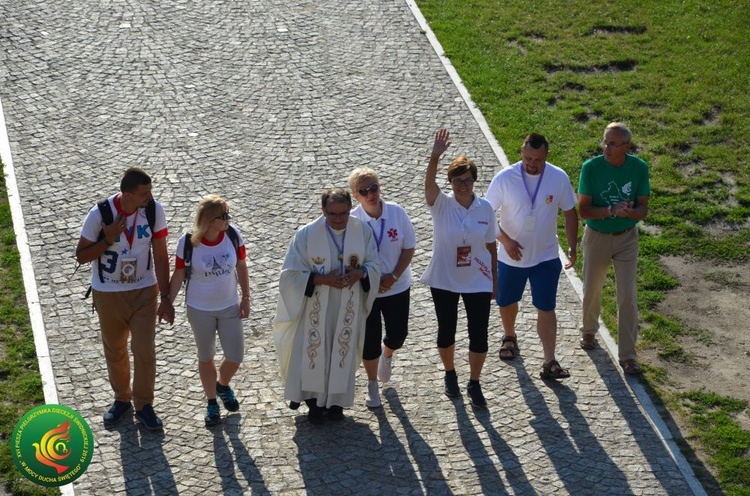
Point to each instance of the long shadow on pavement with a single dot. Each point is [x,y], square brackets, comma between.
[583,465]
[345,457]
[145,468]
[225,462]
[429,468]
[659,459]
[489,477]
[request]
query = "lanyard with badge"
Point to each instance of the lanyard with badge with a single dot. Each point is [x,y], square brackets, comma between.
[129,264]
[382,231]
[529,222]
[339,248]
[463,253]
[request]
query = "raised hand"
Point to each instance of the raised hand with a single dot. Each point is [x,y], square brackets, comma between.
[442,142]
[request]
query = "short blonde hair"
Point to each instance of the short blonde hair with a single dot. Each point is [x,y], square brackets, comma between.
[362,174]
[209,208]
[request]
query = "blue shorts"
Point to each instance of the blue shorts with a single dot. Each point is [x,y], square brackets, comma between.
[543,277]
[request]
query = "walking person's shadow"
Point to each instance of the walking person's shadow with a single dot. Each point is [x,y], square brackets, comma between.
[226,435]
[144,467]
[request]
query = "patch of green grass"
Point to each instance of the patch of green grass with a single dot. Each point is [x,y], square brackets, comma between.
[669,69]
[20,383]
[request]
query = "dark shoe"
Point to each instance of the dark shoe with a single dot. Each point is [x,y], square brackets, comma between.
[336,412]
[212,415]
[119,408]
[477,398]
[227,397]
[148,418]
[451,386]
[314,413]
[587,342]
[553,370]
[631,367]
[508,348]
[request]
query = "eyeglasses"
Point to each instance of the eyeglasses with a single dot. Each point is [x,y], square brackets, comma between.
[224,216]
[611,144]
[372,189]
[336,214]
[462,182]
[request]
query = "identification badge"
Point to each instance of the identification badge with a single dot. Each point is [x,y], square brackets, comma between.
[529,223]
[128,269]
[463,256]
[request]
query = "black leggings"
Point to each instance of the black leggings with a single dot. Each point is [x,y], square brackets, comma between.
[395,311]
[477,307]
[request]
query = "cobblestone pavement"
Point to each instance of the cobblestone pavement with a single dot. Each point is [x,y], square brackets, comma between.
[268,102]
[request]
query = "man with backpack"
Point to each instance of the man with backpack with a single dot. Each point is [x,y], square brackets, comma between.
[117,238]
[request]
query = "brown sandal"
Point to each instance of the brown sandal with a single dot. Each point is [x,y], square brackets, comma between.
[508,352]
[553,370]
[587,342]
[631,367]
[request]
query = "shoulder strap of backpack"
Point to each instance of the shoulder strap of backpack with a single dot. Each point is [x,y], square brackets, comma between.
[151,219]
[188,259]
[105,209]
[234,237]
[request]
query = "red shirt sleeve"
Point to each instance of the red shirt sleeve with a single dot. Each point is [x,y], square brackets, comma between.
[179,263]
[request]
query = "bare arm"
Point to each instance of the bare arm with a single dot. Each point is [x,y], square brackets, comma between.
[178,277]
[492,247]
[571,233]
[441,144]
[88,250]
[161,268]
[404,259]
[636,211]
[244,281]
[589,211]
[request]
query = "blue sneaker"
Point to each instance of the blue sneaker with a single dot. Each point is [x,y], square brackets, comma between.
[119,408]
[212,415]
[227,397]
[148,418]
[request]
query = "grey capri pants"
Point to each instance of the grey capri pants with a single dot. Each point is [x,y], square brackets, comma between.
[205,324]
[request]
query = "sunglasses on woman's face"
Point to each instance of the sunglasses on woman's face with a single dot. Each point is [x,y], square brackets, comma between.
[224,216]
[372,189]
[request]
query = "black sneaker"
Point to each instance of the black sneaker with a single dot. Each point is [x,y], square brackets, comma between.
[119,408]
[148,418]
[212,415]
[477,398]
[451,386]
[227,397]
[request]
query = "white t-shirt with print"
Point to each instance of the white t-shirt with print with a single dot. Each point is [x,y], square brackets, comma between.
[455,226]
[397,235]
[213,281]
[508,193]
[132,247]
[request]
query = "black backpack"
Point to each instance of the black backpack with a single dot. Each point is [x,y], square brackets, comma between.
[108,217]
[234,237]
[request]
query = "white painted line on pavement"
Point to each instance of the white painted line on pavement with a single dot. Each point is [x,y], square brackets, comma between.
[29,281]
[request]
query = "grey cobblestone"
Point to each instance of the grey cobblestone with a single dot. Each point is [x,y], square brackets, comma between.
[267,103]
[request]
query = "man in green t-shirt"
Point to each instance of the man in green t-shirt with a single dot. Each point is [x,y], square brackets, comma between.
[613,194]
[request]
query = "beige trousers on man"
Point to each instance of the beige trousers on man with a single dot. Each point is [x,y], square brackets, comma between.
[622,250]
[131,314]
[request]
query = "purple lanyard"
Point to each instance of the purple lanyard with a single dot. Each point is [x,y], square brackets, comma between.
[339,248]
[532,198]
[382,230]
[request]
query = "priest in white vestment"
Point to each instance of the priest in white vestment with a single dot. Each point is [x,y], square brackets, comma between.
[328,283]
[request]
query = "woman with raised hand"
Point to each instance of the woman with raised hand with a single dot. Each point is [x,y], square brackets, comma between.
[463,264]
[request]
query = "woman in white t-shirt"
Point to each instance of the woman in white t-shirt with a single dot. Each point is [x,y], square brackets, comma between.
[211,263]
[463,264]
[394,235]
